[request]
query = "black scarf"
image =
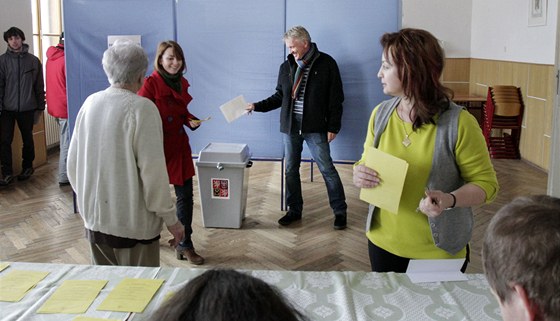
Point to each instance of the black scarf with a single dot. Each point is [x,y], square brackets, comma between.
[173,81]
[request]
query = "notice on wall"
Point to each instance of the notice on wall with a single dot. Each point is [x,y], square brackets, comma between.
[137,39]
[220,188]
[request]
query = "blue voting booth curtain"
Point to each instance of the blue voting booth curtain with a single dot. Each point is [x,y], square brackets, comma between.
[87,23]
[235,48]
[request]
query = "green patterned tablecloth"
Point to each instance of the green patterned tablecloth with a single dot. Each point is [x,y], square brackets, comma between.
[325,296]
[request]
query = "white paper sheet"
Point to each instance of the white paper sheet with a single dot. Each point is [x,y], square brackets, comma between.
[419,271]
[234,108]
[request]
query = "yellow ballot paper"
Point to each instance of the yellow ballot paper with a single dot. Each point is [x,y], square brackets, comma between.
[3,266]
[168,295]
[198,121]
[16,283]
[73,296]
[392,172]
[131,295]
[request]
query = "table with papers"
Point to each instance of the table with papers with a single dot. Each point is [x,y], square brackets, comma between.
[320,295]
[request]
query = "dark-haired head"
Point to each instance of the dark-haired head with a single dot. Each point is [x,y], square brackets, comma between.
[14,31]
[220,295]
[420,60]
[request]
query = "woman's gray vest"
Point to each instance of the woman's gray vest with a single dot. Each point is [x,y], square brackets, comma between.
[452,229]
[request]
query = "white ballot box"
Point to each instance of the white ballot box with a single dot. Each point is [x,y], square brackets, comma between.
[223,180]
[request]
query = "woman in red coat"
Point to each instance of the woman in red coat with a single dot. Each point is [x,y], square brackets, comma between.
[168,89]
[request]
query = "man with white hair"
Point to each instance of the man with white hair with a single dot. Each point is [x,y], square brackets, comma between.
[310,95]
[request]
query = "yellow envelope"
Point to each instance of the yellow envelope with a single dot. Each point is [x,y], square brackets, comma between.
[392,172]
[131,295]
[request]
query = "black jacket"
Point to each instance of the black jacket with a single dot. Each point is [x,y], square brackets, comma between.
[21,82]
[322,111]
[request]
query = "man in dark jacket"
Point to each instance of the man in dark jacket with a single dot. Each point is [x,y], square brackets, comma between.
[22,100]
[309,90]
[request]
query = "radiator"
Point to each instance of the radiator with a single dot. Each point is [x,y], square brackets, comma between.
[51,131]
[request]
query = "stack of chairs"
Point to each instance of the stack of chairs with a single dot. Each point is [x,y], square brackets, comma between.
[502,118]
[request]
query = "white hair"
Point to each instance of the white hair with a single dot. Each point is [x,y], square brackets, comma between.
[299,33]
[124,62]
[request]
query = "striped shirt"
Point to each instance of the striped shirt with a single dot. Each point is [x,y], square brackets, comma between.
[298,103]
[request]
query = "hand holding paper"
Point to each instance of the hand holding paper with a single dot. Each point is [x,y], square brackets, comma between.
[200,120]
[234,108]
[365,177]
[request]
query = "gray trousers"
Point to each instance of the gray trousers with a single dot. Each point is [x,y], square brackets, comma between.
[139,255]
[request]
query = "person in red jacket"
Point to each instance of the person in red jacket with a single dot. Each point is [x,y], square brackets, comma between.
[57,103]
[169,90]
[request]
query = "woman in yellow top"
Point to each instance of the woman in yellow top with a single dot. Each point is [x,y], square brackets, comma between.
[449,165]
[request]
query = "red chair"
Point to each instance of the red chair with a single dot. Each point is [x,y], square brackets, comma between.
[502,118]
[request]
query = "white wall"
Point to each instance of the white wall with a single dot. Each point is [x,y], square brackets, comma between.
[500,31]
[496,29]
[447,20]
[16,13]
[554,172]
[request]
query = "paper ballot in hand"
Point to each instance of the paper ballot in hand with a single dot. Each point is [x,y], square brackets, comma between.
[392,171]
[234,108]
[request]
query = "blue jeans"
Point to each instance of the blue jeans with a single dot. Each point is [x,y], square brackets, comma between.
[184,195]
[320,150]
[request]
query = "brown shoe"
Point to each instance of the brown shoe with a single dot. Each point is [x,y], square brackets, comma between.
[190,255]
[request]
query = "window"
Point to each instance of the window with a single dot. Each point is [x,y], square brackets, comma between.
[47,25]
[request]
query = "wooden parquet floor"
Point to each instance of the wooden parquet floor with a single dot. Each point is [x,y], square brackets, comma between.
[38,224]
